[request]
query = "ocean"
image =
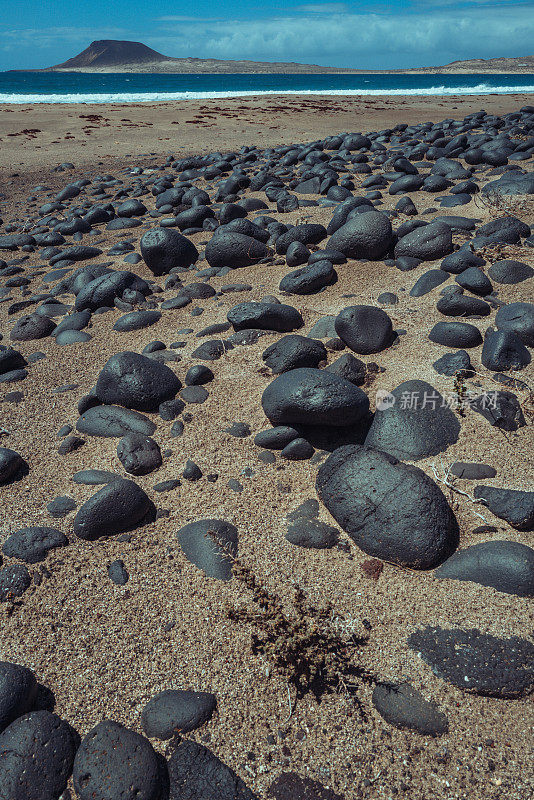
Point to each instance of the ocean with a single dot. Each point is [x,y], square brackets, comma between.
[35,87]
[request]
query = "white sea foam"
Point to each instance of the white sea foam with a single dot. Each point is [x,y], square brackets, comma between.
[151,97]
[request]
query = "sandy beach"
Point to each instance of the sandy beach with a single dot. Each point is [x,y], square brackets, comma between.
[37,137]
[104,650]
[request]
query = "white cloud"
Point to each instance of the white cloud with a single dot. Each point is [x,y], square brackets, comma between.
[427,36]
[359,40]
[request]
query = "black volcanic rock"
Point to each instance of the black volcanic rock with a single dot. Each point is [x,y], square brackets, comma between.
[135,381]
[393,511]
[120,505]
[365,329]
[36,756]
[33,544]
[115,762]
[313,397]
[418,424]
[18,690]
[506,566]
[197,774]
[176,711]
[209,544]
[164,248]
[514,506]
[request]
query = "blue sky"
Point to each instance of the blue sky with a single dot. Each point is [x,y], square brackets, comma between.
[379,35]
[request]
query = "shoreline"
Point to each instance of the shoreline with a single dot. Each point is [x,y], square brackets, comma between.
[37,137]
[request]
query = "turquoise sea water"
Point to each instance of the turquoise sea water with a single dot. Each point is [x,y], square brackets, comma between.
[34,87]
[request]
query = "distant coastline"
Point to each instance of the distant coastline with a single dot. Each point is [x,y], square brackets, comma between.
[114,56]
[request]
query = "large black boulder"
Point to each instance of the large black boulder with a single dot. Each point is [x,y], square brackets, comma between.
[427,243]
[455,334]
[416,425]
[32,326]
[265,316]
[309,279]
[36,756]
[314,397]
[114,422]
[234,250]
[118,506]
[510,271]
[164,248]
[393,511]
[135,381]
[18,690]
[294,351]
[367,235]
[105,289]
[503,350]
[33,544]
[506,566]
[518,318]
[308,233]
[365,329]
[138,454]
[11,464]
[115,763]
[197,774]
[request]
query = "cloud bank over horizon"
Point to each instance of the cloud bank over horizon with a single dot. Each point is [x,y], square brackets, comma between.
[360,35]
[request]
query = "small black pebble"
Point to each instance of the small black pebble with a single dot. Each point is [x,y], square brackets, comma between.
[118,572]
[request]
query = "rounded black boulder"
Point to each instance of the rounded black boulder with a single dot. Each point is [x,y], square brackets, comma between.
[115,763]
[366,235]
[18,690]
[506,566]
[234,250]
[210,544]
[455,334]
[33,326]
[36,756]
[510,271]
[404,707]
[428,243]
[413,422]
[138,454]
[503,351]
[265,316]
[135,381]
[365,329]
[314,397]
[197,774]
[393,511]
[293,351]
[11,464]
[176,711]
[309,279]
[164,248]
[518,318]
[118,506]
[33,544]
